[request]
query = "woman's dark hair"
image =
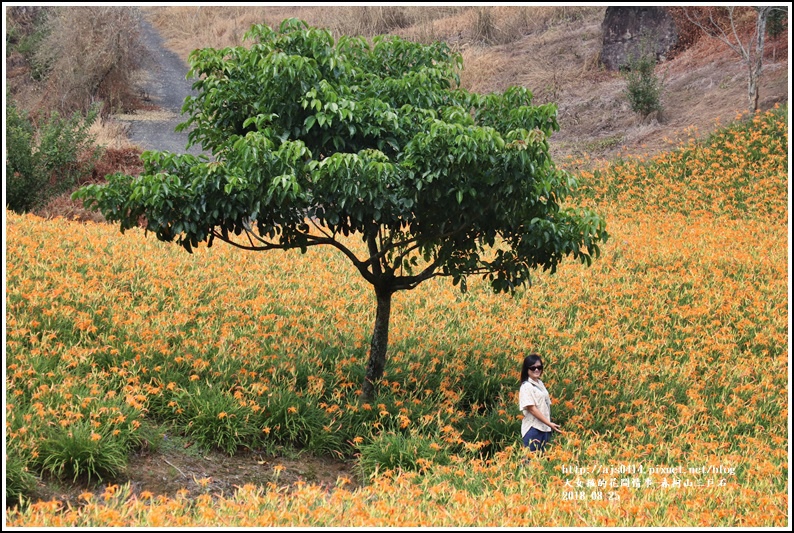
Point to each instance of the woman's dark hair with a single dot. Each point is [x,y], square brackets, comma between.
[529,360]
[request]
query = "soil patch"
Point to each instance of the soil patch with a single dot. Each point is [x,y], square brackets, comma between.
[181,466]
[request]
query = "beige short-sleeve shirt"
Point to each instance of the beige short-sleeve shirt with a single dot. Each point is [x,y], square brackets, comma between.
[534,393]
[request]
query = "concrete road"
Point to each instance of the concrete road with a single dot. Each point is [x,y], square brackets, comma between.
[164,85]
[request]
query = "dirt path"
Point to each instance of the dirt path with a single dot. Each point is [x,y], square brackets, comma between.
[164,87]
[177,466]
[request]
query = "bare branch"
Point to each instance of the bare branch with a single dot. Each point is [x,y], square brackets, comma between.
[752,56]
[714,29]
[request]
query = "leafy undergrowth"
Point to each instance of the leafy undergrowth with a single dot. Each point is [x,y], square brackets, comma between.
[666,361]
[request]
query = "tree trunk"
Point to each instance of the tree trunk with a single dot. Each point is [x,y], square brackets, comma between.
[380,342]
[752,54]
[755,64]
[752,92]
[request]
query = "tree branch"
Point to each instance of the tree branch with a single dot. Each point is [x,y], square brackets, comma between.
[377,269]
[410,282]
[715,30]
[398,260]
[266,245]
[321,229]
[744,52]
[313,240]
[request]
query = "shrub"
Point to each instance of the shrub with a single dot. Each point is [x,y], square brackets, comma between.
[480,390]
[23,180]
[90,54]
[491,432]
[217,420]
[67,149]
[776,22]
[643,87]
[44,163]
[293,420]
[327,440]
[27,29]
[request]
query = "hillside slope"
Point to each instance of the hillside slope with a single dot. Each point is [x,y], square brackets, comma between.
[552,51]
[704,85]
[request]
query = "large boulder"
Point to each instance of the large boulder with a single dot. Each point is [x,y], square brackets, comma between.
[627,30]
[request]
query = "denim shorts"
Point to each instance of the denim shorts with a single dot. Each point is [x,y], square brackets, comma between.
[536,439]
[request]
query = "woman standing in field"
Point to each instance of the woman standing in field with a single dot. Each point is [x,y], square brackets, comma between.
[535,403]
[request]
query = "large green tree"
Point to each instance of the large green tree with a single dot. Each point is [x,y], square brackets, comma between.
[314,140]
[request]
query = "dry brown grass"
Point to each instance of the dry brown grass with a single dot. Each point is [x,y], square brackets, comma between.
[90,53]
[114,159]
[62,206]
[493,40]
[111,133]
[186,28]
[189,28]
[552,50]
[490,38]
[557,53]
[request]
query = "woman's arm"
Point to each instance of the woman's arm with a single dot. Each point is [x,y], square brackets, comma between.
[534,411]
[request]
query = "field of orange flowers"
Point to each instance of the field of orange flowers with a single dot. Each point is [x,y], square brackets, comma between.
[667,362]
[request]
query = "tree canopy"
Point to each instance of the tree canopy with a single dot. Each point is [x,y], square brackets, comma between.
[315,139]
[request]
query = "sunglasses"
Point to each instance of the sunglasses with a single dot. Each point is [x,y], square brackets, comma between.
[533,368]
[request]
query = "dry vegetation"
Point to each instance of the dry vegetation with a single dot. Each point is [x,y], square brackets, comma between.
[87,54]
[553,50]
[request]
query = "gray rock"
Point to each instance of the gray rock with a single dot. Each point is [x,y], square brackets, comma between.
[626,30]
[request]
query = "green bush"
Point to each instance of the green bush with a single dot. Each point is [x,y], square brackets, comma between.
[67,147]
[217,420]
[325,440]
[23,179]
[777,21]
[295,421]
[44,163]
[27,31]
[492,431]
[480,390]
[643,86]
